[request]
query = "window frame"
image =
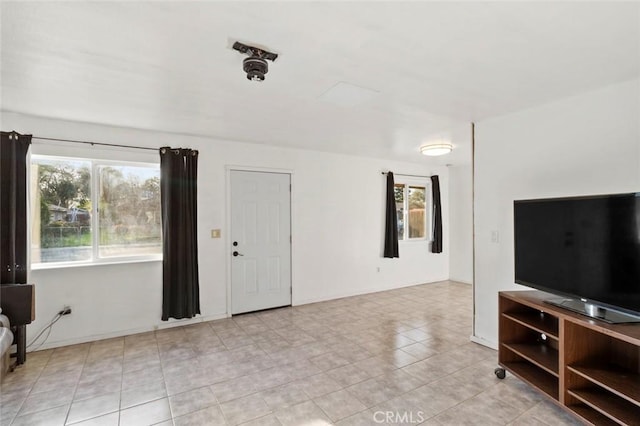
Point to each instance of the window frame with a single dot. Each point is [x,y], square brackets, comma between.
[407,182]
[95,218]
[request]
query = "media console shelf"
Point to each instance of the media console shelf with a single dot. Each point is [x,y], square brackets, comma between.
[590,368]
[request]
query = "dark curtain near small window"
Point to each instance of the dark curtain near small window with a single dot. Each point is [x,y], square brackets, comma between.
[391,221]
[178,194]
[436,244]
[13,207]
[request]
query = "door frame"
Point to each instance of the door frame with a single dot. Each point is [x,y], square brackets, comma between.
[227,238]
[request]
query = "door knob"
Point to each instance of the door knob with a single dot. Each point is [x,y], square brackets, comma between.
[235,253]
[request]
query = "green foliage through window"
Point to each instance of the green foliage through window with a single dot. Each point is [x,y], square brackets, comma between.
[128,207]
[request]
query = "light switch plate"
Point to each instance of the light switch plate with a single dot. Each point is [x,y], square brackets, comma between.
[215,233]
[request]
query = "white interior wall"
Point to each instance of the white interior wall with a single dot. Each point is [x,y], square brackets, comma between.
[586,144]
[337,210]
[461,224]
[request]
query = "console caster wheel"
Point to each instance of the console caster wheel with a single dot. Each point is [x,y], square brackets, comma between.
[500,373]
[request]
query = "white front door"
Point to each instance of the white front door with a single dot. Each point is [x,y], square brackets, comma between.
[260,240]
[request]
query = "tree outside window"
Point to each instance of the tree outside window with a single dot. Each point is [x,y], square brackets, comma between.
[69,193]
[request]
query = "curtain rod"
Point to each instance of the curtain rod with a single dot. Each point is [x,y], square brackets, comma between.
[400,174]
[95,143]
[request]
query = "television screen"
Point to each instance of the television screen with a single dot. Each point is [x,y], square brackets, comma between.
[581,247]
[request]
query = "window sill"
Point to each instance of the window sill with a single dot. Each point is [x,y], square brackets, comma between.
[414,240]
[63,265]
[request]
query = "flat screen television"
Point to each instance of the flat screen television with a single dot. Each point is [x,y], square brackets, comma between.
[585,249]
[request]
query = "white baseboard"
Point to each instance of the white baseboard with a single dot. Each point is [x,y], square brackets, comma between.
[483,342]
[178,323]
[358,293]
[460,281]
[165,324]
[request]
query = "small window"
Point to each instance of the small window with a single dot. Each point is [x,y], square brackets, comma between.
[411,209]
[87,211]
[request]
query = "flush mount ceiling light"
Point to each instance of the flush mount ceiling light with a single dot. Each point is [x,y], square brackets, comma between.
[436,149]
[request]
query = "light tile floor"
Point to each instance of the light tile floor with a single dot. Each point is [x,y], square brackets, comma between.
[396,357]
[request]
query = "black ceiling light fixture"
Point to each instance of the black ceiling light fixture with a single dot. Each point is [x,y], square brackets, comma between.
[256,65]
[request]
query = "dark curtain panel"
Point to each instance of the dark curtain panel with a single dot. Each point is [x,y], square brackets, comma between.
[178,192]
[391,221]
[436,244]
[13,207]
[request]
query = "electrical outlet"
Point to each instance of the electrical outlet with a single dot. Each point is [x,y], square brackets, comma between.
[65,311]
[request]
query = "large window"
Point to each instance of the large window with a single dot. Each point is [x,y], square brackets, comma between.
[411,209]
[88,211]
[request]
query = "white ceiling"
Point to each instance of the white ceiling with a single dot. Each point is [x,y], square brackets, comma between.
[437,66]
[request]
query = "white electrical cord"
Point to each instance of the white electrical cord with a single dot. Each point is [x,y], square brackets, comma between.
[47,327]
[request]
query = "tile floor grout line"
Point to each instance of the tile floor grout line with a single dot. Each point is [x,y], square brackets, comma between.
[164,381]
[30,389]
[124,345]
[75,391]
